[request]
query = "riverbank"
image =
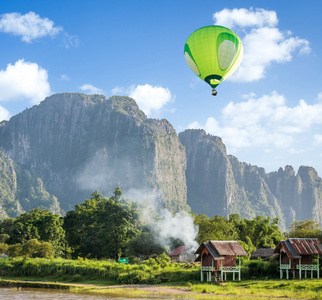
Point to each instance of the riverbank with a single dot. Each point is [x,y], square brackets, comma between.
[269,289]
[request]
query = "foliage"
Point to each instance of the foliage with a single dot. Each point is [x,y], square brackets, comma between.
[39,224]
[32,248]
[259,232]
[4,237]
[260,269]
[215,228]
[144,246]
[305,229]
[150,271]
[101,227]
[3,248]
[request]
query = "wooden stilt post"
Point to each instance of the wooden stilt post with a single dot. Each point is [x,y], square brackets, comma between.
[222,272]
[239,271]
[281,271]
[201,274]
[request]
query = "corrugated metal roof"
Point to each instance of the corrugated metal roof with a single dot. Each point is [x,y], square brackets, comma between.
[178,250]
[290,251]
[228,248]
[295,248]
[306,246]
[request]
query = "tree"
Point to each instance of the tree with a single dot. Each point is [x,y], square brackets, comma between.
[4,237]
[305,229]
[3,248]
[39,224]
[216,228]
[32,248]
[102,227]
[261,232]
[144,246]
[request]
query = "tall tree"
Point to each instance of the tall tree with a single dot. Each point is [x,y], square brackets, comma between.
[102,227]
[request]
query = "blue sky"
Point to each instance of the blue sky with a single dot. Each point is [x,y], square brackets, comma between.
[269,113]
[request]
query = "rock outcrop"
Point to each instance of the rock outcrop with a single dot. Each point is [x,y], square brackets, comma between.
[78,144]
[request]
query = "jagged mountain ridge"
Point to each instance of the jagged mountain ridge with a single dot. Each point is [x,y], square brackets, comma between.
[72,144]
[224,185]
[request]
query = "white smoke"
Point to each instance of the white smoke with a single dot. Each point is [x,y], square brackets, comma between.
[99,173]
[179,226]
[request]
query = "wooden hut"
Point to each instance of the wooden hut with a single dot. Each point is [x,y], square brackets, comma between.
[298,256]
[182,254]
[219,258]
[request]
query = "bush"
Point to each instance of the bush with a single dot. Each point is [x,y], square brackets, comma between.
[259,268]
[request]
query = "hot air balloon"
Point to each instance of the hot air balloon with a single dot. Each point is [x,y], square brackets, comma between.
[213,53]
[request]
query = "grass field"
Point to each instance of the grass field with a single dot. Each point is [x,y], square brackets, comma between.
[151,277]
[249,289]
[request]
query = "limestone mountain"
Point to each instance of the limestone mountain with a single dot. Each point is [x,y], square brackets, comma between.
[78,143]
[55,154]
[220,184]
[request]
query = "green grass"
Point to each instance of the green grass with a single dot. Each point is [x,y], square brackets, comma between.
[160,274]
[292,289]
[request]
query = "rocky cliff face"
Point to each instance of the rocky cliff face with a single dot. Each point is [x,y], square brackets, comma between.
[78,143]
[299,195]
[220,184]
[21,190]
[210,180]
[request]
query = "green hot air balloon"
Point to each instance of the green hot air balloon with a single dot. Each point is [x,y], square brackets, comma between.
[213,53]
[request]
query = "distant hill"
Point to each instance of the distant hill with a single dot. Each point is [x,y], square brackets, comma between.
[55,154]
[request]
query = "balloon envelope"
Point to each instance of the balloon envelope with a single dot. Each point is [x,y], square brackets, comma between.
[213,53]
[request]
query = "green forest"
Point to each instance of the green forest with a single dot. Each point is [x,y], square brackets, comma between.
[112,227]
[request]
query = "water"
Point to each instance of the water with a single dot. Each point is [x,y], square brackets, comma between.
[48,294]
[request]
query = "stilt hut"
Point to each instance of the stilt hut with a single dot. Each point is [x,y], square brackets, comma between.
[182,254]
[298,257]
[219,258]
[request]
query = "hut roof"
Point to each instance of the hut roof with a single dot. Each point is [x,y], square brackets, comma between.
[220,249]
[295,248]
[178,250]
[262,253]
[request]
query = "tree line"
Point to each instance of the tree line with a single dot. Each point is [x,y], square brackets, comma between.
[103,227]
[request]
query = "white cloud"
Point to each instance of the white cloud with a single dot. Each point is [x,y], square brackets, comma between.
[265,122]
[150,99]
[263,42]
[4,114]
[24,80]
[64,77]
[29,26]
[91,88]
[70,40]
[245,17]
